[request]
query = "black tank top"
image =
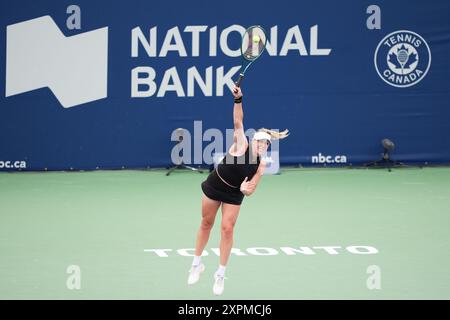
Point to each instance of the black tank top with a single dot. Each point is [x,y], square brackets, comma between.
[234,169]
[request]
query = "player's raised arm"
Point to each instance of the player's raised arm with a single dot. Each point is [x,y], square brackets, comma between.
[238,113]
[239,139]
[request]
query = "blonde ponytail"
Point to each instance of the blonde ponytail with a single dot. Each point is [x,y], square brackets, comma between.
[275,135]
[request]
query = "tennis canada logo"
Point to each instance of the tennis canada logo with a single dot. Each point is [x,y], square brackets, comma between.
[402,59]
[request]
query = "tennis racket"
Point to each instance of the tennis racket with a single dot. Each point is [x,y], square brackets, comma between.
[253,45]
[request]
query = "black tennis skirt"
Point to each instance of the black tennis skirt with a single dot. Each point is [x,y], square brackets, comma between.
[214,188]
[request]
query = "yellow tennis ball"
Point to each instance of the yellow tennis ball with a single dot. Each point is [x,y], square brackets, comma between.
[256,39]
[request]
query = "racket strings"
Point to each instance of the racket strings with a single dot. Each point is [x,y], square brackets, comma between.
[252,49]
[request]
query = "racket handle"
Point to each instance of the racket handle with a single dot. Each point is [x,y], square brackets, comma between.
[238,82]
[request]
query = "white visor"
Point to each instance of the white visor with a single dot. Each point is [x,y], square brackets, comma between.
[261,135]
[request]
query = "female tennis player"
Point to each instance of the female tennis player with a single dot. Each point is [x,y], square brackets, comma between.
[236,176]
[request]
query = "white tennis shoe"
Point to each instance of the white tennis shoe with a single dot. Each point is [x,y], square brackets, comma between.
[219,284]
[194,273]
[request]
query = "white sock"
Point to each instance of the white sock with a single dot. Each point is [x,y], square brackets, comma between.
[196,261]
[221,271]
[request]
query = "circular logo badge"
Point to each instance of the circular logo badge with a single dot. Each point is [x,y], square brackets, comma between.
[402,58]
